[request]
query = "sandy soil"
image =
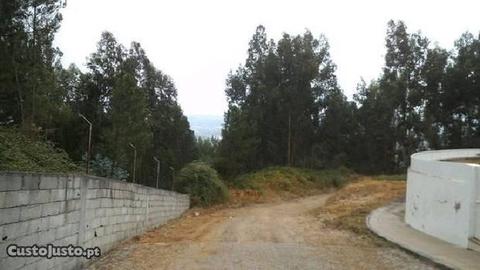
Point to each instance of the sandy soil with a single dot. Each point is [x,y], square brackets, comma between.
[280,235]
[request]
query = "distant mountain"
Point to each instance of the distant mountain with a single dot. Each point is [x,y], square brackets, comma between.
[206,125]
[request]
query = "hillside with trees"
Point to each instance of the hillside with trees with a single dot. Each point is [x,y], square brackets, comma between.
[286,107]
[127,99]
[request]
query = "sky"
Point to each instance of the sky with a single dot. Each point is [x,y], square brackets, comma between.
[198,42]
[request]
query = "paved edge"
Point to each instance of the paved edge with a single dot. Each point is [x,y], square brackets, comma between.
[388,224]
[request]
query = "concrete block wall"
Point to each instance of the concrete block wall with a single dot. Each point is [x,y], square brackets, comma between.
[443,197]
[79,210]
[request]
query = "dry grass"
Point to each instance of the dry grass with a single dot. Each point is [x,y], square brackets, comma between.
[348,208]
[285,183]
[243,197]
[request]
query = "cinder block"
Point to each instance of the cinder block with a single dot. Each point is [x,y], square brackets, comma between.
[93,184]
[100,212]
[73,217]
[89,234]
[31,182]
[69,240]
[93,203]
[9,215]
[59,261]
[94,223]
[27,240]
[14,230]
[44,223]
[12,263]
[16,198]
[30,212]
[107,230]
[66,230]
[46,237]
[101,193]
[90,214]
[48,264]
[51,209]
[103,221]
[63,182]
[77,182]
[39,196]
[91,194]
[49,182]
[106,184]
[106,203]
[57,221]
[71,264]
[73,194]
[72,205]
[113,211]
[117,203]
[10,182]
[3,248]
[69,182]
[58,195]
[33,264]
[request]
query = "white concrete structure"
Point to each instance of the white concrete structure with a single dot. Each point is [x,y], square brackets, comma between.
[443,197]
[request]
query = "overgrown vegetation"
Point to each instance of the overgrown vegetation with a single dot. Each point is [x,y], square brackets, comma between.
[348,208]
[20,153]
[287,182]
[202,183]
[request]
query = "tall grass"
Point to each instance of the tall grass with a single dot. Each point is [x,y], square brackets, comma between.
[292,179]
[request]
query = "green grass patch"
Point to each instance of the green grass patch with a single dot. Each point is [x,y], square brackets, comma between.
[389,177]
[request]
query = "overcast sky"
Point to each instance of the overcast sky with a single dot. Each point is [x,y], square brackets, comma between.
[198,42]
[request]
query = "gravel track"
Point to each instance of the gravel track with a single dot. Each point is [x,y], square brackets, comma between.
[280,235]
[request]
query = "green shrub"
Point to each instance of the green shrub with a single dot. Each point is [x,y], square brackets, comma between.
[202,183]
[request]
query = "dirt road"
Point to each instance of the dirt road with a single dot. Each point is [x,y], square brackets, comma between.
[266,236]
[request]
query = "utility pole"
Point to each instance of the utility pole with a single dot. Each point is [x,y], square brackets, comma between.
[89,139]
[289,151]
[158,168]
[173,177]
[134,160]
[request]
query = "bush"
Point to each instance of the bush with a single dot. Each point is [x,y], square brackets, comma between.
[202,183]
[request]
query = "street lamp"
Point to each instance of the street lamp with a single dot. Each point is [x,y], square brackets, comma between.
[173,176]
[134,159]
[158,168]
[89,139]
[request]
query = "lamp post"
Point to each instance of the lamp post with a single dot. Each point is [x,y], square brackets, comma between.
[158,168]
[89,139]
[134,160]
[173,176]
